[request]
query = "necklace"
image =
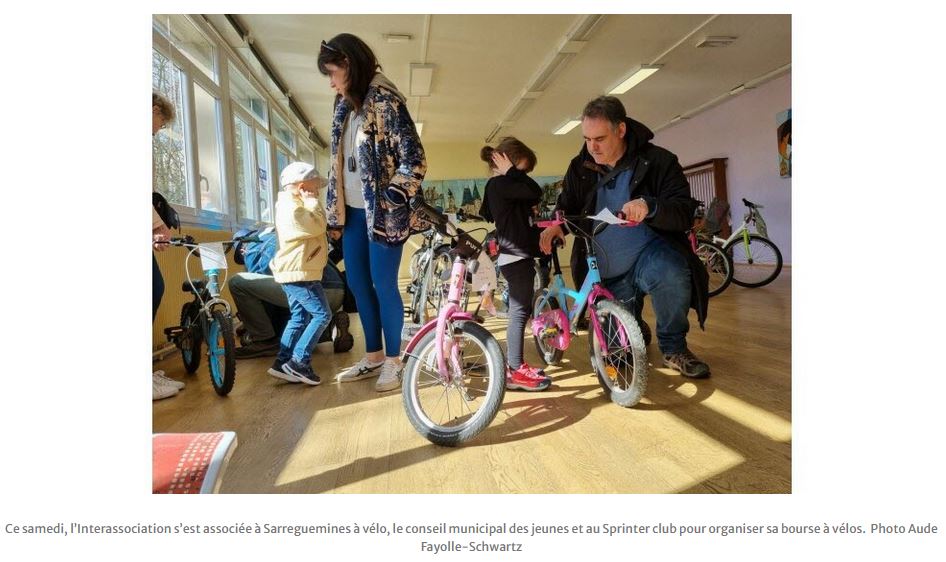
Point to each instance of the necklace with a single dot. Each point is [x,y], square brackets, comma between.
[352,163]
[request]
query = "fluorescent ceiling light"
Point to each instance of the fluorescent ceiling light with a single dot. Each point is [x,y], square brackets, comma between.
[420,127]
[716,41]
[397,37]
[567,127]
[421,77]
[635,78]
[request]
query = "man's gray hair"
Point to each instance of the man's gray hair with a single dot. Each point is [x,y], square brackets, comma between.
[605,107]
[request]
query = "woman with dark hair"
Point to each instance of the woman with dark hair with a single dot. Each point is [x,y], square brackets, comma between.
[510,198]
[377,165]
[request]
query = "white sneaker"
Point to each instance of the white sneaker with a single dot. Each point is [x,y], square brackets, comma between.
[160,378]
[363,369]
[160,391]
[390,377]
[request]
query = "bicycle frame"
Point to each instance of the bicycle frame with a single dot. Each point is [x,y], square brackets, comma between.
[752,216]
[741,232]
[445,318]
[212,286]
[591,291]
[424,254]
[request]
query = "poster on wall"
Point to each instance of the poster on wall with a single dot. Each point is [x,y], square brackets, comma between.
[783,122]
[467,194]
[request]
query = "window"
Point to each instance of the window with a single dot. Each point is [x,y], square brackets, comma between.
[208,151]
[283,133]
[264,178]
[189,41]
[248,97]
[245,160]
[213,180]
[306,154]
[167,147]
[282,160]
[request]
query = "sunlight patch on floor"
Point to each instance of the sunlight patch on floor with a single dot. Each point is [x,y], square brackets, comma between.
[757,419]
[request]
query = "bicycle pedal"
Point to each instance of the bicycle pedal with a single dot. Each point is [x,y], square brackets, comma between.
[173,332]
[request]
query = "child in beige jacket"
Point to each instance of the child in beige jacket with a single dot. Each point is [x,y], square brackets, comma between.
[298,265]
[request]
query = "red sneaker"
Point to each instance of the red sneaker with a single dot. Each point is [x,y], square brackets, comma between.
[527,378]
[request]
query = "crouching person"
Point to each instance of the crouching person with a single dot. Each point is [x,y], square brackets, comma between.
[298,266]
[262,305]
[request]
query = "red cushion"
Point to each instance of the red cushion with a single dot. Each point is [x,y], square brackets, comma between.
[189,463]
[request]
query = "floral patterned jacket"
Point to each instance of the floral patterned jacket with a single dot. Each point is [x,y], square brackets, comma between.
[389,155]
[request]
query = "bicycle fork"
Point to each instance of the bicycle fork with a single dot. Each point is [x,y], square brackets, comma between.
[745,241]
[599,293]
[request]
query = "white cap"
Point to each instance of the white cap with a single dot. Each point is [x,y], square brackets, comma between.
[296,172]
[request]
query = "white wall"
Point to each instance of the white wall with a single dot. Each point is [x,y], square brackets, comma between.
[743,130]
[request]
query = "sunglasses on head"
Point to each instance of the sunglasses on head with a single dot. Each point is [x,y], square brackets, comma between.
[328,47]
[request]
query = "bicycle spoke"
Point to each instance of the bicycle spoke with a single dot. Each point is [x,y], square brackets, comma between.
[615,352]
[466,401]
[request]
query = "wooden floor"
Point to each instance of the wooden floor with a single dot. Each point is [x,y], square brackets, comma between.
[730,433]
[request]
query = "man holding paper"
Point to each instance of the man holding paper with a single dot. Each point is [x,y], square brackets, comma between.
[620,170]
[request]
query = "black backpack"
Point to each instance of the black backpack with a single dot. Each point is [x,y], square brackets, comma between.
[165,210]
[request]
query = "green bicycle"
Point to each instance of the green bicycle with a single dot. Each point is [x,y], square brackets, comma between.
[756,260]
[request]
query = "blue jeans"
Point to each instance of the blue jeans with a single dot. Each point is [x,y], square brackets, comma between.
[310,316]
[371,269]
[661,272]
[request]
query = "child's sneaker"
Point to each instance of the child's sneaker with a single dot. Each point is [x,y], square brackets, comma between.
[277,371]
[363,369]
[303,373]
[527,378]
[390,377]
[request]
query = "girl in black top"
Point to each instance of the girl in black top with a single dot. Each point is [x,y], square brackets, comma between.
[510,198]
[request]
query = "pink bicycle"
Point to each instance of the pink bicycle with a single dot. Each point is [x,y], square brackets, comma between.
[454,374]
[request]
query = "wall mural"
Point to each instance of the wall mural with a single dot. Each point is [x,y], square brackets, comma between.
[467,194]
[783,131]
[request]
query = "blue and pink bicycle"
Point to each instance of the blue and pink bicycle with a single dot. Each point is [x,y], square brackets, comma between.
[617,350]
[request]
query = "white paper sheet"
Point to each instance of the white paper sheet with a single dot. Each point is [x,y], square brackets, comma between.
[212,257]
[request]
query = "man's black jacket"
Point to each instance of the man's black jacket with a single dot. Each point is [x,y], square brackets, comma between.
[659,180]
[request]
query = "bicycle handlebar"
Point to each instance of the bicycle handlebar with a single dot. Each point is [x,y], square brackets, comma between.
[439,219]
[750,204]
[561,218]
[189,242]
[463,216]
[179,241]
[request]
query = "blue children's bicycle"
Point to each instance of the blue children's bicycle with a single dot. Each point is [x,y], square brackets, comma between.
[207,318]
[618,354]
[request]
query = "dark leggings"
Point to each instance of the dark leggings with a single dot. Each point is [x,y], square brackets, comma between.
[157,287]
[520,278]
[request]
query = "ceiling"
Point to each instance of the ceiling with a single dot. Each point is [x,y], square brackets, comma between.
[485,63]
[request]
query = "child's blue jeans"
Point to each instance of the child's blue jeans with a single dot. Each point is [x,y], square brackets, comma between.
[310,316]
